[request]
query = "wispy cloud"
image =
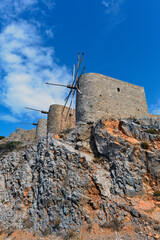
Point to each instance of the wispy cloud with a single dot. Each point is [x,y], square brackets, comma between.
[49,33]
[8,118]
[155,109]
[26,63]
[105,3]
[12,9]
[49,3]
[113,9]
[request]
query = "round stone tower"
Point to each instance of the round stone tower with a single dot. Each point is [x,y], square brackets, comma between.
[56,122]
[41,129]
[103,96]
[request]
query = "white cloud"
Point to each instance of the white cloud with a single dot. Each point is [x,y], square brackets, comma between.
[49,33]
[25,62]
[12,9]
[27,66]
[113,6]
[113,9]
[22,5]
[49,3]
[8,118]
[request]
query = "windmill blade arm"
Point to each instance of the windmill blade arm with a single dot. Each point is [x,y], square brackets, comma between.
[78,68]
[79,63]
[37,110]
[70,105]
[33,109]
[79,91]
[44,112]
[71,87]
[28,123]
[64,106]
[66,99]
[61,85]
[68,95]
[55,84]
[79,76]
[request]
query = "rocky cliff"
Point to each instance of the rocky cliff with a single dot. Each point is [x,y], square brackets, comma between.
[99,181]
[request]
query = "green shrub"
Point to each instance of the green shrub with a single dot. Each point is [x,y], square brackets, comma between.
[70,234]
[157,227]
[156,193]
[2,137]
[151,131]
[115,225]
[27,223]
[57,222]
[144,145]
[47,231]
[89,228]
[8,147]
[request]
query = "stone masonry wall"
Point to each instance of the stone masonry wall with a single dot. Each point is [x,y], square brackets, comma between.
[56,122]
[41,129]
[104,96]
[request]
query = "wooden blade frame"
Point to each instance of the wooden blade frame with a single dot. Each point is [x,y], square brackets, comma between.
[74,85]
[74,93]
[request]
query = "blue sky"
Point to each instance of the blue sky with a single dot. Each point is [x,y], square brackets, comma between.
[40,40]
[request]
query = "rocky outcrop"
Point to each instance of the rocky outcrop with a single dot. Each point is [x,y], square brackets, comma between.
[22,135]
[97,176]
[121,157]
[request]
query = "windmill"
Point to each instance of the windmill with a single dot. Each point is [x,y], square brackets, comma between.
[73,86]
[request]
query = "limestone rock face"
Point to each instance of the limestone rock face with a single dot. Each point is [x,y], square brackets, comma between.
[103,181]
[117,152]
[97,175]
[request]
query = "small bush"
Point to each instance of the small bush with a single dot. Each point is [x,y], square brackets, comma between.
[156,193]
[9,231]
[47,231]
[27,223]
[123,150]
[157,227]
[70,234]
[144,145]
[57,222]
[2,137]
[151,131]
[89,228]
[115,225]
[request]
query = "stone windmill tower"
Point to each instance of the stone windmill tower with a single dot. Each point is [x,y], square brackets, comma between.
[105,96]
[41,127]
